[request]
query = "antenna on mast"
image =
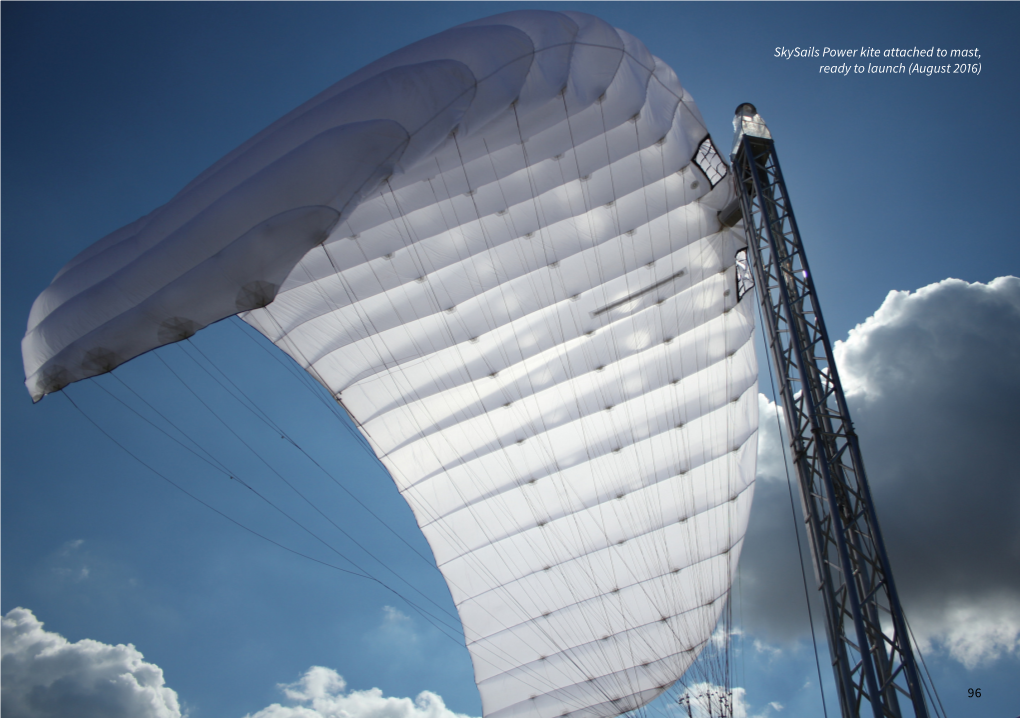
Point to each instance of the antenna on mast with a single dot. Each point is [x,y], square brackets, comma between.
[867,632]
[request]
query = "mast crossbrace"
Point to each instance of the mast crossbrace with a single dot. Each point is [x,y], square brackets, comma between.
[868,640]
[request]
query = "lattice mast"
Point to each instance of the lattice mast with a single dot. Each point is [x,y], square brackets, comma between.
[875,669]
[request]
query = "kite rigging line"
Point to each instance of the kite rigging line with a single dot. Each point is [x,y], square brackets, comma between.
[437,622]
[360,572]
[793,515]
[587,505]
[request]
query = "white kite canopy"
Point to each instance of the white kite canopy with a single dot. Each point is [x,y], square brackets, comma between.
[499,249]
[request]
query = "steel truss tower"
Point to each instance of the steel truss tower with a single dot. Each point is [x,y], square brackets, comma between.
[868,641]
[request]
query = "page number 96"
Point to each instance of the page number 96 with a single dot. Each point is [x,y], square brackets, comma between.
[973,692]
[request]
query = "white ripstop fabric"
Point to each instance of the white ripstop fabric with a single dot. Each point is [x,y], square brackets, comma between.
[499,249]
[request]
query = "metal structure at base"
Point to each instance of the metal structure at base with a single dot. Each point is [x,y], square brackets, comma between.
[869,645]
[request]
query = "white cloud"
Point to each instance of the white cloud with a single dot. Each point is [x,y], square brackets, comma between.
[394,616]
[396,634]
[46,676]
[771,463]
[771,651]
[322,693]
[720,639]
[70,564]
[705,700]
[933,387]
[974,633]
[771,586]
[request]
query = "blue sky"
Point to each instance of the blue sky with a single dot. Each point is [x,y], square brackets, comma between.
[899,182]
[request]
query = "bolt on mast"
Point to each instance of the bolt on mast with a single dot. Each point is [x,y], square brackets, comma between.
[868,640]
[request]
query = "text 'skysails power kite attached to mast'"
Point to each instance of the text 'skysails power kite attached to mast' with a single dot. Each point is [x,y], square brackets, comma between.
[499,249]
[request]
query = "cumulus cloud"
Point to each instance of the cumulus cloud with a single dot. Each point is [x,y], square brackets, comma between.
[771,584]
[47,676]
[721,638]
[974,632]
[933,387]
[704,700]
[322,693]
